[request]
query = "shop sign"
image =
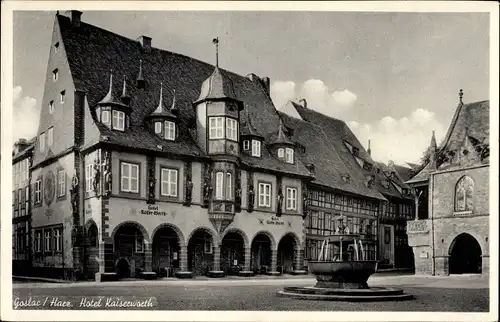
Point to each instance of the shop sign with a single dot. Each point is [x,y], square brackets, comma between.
[275,221]
[153,210]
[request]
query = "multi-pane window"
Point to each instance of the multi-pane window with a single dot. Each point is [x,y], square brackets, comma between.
[464,193]
[158,127]
[289,155]
[281,153]
[62,96]
[51,107]
[219,185]
[42,142]
[57,240]
[229,186]
[291,198]
[118,120]
[55,74]
[61,183]
[105,119]
[216,128]
[231,129]
[169,130]
[89,177]
[38,191]
[26,198]
[50,136]
[38,241]
[169,182]
[129,177]
[264,194]
[246,145]
[256,148]
[48,237]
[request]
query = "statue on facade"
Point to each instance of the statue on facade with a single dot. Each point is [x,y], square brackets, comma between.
[251,198]
[237,199]
[97,176]
[107,174]
[207,191]
[74,193]
[305,204]
[189,192]
[279,198]
[151,184]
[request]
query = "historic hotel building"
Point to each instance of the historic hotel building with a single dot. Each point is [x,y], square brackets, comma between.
[450,232]
[152,163]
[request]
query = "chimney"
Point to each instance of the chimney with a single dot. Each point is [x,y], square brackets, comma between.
[76,17]
[145,42]
[303,102]
[369,148]
[267,85]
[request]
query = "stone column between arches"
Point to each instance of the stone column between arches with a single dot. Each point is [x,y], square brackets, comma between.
[298,263]
[274,260]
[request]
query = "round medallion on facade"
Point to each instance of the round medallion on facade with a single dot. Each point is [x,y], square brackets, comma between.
[49,188]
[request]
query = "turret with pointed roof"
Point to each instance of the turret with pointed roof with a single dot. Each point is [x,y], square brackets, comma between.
[111,99]
[161,110]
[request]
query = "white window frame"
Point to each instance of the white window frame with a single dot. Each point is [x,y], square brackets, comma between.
[38,192]
[169,130]
[47,245]
[281,153]
[289,155]
[246,145]
[219,185]
[256,148]
[50,136]
[129,179]
[55,75]
[291,198]
[57,240]
[265,194]
[229,186]
[61,183]
[89,177]
[216,127]
[170,178]
[118,120]
[231,129]
[42,142]
[51,107]
[158,126]
[38,241]
[105,118]
[27,198]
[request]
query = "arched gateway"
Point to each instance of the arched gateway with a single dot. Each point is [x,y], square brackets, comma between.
[233,252]
[130,240]
[465,255]
[166,248]
[200,251]
[287,253]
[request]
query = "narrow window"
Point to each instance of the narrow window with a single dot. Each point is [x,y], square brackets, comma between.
[57,240]
[219,185]
[231,129]
[50,136]
[264,195]
[61,96]
[229,186]
[169,130]
[281,153]
[289,155]
[89,178]
[157,127]
[130,177]
[27,198]
[51,107]
[291,198]
[255,148]
[246,145]
[55,74]
[42,142]
[105,119]
[48,237]
[61,183]
[216,128]
[38,241]
[169,182]
[118,120]
[38,191]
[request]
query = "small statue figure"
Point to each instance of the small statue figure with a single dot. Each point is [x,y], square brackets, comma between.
[251,198]
[207,191]
[237,199]
[97,175]
[280,202]
[152,184]
[305,205]
[74,193]
[107,180]
[189,191]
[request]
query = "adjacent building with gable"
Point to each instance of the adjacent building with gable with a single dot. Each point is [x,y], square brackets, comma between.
[450,232]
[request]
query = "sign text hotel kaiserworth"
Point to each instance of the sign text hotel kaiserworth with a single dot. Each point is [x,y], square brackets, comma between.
[153,210]
[275,221]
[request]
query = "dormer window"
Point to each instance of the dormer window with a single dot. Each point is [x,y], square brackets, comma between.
[105,118]
[169,130]
[281,153]
[158,127]
[55,74]
[246,145]
[118,120]
[289,155]
[256,145]
[231,129]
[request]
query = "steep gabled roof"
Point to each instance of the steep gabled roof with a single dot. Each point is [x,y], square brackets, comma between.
[92,52]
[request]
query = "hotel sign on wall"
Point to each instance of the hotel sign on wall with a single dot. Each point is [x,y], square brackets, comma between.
[151,210]
[275,221]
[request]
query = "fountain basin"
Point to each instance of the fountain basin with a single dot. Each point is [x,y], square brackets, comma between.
[342,274]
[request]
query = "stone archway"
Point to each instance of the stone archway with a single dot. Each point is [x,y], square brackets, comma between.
[130,244]
[288,248]
[166,250]
[233,252]
[465,255]
[91,262]
[261,253]
[200,251]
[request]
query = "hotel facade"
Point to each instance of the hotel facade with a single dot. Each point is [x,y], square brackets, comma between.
[149,163]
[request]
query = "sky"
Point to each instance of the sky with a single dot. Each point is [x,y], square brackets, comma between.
[392,77]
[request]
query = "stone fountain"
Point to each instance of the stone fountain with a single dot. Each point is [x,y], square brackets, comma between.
[342,275]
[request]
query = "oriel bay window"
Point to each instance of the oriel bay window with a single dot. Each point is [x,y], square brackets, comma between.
[231,129]
[223,185]
[129,178]
[217,130]
[169,183]
[264,194]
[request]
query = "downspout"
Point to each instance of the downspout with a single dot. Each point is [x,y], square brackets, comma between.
[431,209]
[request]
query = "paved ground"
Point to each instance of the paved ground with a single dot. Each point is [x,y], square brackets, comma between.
[453,293]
